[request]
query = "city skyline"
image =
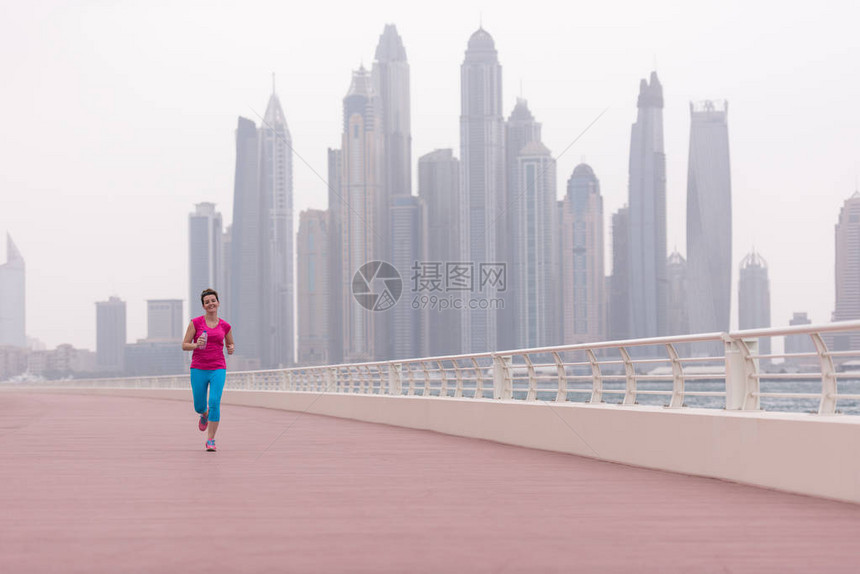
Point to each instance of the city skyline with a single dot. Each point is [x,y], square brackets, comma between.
[139,229]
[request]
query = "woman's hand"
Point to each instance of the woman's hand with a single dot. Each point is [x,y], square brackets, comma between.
[230,349]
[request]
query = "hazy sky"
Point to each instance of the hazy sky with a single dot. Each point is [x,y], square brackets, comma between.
[119,116]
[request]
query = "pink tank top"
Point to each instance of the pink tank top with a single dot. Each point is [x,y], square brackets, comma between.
[210,357]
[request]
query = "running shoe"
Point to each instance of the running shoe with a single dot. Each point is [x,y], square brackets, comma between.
[210,445]
[204,421]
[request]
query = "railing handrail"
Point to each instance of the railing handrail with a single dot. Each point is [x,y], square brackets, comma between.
[533,376]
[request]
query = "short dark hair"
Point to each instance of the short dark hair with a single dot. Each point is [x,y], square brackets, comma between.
[209,292]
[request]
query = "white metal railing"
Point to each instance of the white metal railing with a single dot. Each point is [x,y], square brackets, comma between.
[722,370]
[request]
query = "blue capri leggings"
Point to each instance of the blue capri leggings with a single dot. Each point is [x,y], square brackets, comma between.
[214,380]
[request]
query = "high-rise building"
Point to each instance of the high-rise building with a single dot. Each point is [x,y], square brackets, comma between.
[224,293]
[164,319]
[482,179]
[110,335]
[647,215]
[848,271]
[276,186]
[262,242]
[407,229]
[520,130]
[754,297]
[677,323]
[246,250]
[439,190]
[205,256]
[583,282]
[160,353]
[709,219]
[795,344]
[363,217]
[338,290]
[402,246]
[313,287]
[619,281]
[13,298]
[391,85]
[534,278]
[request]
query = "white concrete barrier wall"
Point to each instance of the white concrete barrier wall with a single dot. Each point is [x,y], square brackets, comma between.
[806,454]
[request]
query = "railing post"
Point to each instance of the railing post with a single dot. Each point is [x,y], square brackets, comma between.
[677,399]
[479,379]
[502,388]
[596,379]
[629,378]
[395,384]
[459,392]
[827,406]
[742,383]
[561,394]
[532,392]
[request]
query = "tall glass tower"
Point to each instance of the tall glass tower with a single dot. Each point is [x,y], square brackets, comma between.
[534,236]
[12,297]
[262,281]
[205,256]
[363,215]
[439,190]
[754,297]
[709,219]
[520,130]
[848,271]
[482,180]
[647,215]
[276,183]
[584,298]
[391,85]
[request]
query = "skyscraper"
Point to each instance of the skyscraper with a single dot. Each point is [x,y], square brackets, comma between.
[848,271]
[225,292]
[647,215]
[520,130]
[619,281]
[363,215]
[338,290]
[160,353]
[754,297]
[262,241]
[482,177]
[533,245]
[276,186]
[110,335]
[402,246]
[677,323]
[246,257]
[800,344]
[709,219]
[205,255]
[13,297]
[583,282]
[391,85]
[164,321]
[439,190]
[313,287]
[407,229]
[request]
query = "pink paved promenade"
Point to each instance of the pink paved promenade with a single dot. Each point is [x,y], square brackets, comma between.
[109,484]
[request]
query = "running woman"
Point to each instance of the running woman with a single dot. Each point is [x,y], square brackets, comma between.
[206,336]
